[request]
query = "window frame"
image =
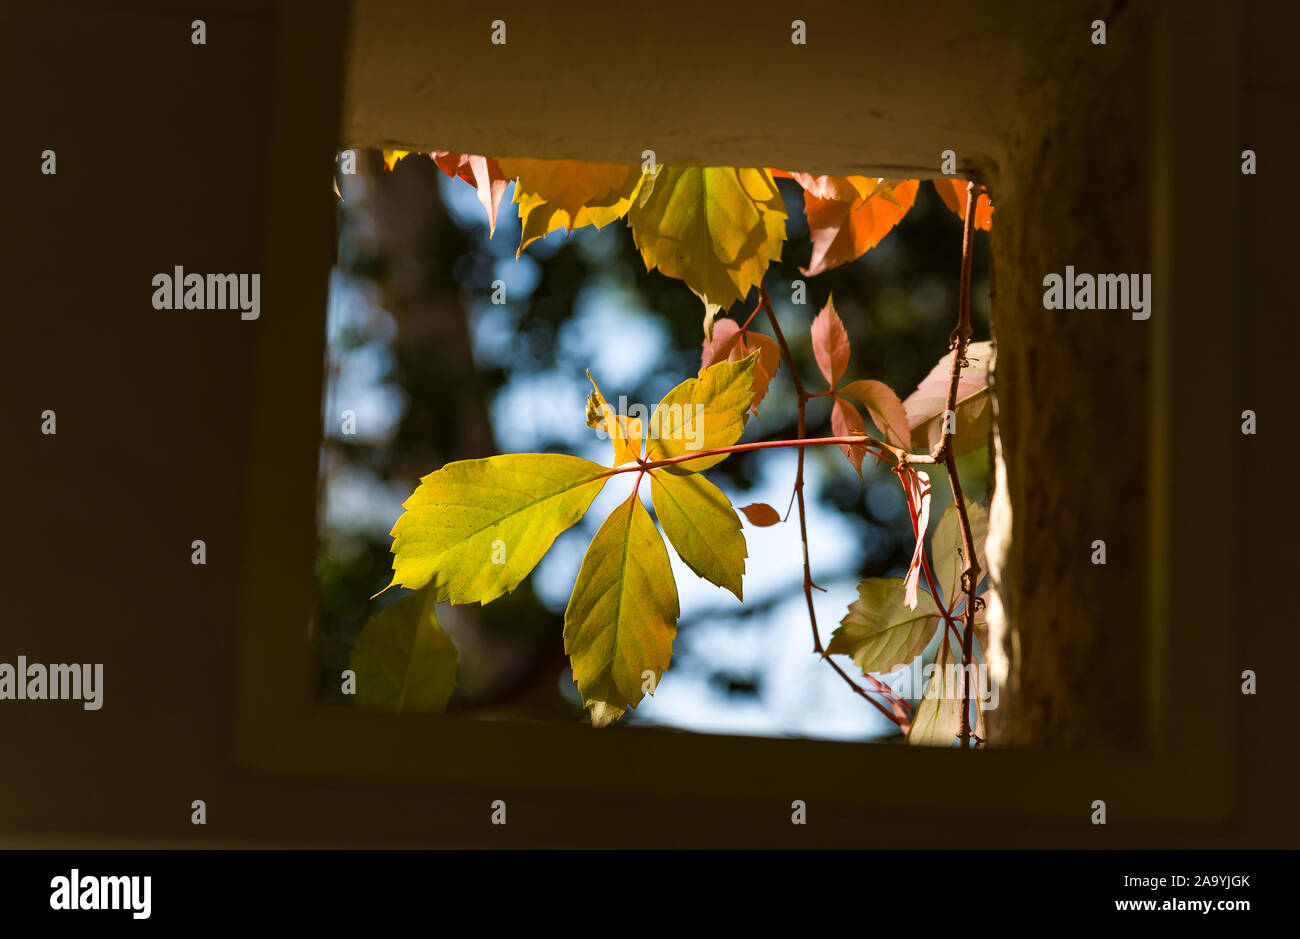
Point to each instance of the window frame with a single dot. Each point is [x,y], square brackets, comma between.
[1185,776]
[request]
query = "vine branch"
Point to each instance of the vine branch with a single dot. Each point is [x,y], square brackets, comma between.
[970,573]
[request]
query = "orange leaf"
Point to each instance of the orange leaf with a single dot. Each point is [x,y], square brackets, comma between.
[845,420]
[953,193]
[830,343]
[761,514]
[731,343]
[483,173]
[842,229]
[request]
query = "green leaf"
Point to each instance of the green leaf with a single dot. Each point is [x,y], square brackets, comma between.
[702,526]
[715,227]
[622,615]
[945,549]
[475,528]
[880,632]
[403,660]
[703,413]
[937,718]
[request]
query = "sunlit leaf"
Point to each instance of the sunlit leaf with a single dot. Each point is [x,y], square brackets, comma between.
[392,157]
[403,660]
[702,527]
[555,194]
[926,405]
[704,413]
[483,173]
[846,420]
[844,229]
[953,193]
[830,343]
[731,343]
[622,615]
[761,514]
[475,528]
[717,228]
[884,408]
[879,631]
[623,432]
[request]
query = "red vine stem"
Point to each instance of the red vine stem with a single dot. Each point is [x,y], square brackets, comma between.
[899,711]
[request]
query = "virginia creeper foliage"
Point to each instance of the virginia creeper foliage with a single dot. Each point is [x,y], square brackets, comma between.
[474,529]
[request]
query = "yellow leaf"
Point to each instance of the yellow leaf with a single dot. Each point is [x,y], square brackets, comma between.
[392,156]
[702,526]
[716,228]
[624,432]
[703,413]
[476,528]
[403,660]
[622,615]
[555,194]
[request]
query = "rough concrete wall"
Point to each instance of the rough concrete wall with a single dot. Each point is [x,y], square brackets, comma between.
[1072,393]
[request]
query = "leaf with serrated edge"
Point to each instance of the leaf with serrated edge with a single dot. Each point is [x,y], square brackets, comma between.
[555,194]
[884,408]
[702,526]
[830,343]
[704,413]
[715,227]
[732,343]
[623,432]
[404,662]
[843,230]
[937,718]
[879,631]
[622,615]
[945,547]
[925,406]
[475,528]
[846,420]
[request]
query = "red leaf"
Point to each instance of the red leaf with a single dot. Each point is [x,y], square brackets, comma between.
[483,173]
[918,506]
[886,411]
[761,514]
[732,343]
[926,405]
[830,343]
[845,420]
